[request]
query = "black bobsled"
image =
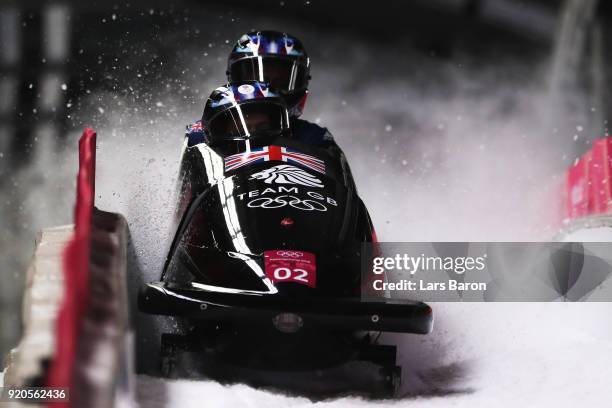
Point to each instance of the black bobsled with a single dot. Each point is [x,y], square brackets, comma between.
[264,270]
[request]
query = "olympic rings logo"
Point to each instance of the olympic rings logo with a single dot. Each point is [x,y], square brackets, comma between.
[286,200]
[290,254]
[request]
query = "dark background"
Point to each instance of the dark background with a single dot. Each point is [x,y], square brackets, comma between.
[97,43]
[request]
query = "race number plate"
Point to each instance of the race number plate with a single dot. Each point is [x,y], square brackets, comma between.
[287,265]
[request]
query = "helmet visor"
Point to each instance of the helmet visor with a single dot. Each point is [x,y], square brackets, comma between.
[281,74]
[248,120]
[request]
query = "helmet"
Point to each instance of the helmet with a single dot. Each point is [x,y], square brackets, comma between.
[276,58]
[244,110]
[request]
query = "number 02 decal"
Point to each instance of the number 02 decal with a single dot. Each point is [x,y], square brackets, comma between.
[291,266]
[300,275]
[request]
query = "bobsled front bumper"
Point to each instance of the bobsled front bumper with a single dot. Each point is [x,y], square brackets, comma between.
[249,308]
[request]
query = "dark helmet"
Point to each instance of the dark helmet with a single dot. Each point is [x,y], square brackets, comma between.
[276,58]
[244,110]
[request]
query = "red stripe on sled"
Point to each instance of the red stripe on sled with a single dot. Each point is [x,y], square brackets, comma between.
[276,153]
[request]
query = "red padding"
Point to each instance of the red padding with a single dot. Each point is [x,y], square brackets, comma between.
[589,182]
[600,171]
[577,188]
[76,271]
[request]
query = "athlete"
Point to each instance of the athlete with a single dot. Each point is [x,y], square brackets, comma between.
[281,61]
[245,110]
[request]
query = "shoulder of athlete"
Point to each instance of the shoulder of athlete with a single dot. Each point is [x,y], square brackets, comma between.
[193,127]
[302,126]
[194,133]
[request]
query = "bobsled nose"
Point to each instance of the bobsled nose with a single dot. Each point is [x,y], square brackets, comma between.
[340,314]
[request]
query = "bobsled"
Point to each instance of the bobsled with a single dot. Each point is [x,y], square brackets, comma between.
[264,271]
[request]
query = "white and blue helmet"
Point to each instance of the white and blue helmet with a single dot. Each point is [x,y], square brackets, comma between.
[276,58]
[244,110]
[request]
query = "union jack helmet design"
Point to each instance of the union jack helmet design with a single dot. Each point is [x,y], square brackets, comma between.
[244,110]
[275,58]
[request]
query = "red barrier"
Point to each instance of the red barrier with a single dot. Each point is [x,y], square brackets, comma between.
[76,270]
[577,188]
[600,176]
[589,182]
